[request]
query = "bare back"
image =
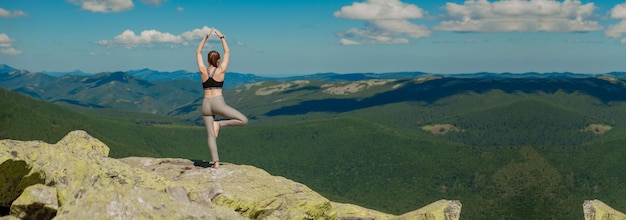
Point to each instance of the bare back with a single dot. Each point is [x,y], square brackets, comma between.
[217,76]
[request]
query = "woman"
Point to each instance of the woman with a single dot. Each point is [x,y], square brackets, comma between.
[213,103]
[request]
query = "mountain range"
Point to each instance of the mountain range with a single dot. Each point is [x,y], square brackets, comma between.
[37,84]
[179,93]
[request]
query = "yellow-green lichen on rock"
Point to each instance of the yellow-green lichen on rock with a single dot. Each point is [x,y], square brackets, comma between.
[85,183]
[351,211]
[275,198]
[439,210]
[442,209]
[89,184]
[250,191]
[15,176]
[78,160]
[36,202]
[598,210]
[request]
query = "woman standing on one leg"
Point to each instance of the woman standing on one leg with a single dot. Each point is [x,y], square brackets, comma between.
[213,103]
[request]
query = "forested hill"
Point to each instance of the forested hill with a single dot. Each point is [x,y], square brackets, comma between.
[433,90]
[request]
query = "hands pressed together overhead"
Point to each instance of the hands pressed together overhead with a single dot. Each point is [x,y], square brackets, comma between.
[217,33]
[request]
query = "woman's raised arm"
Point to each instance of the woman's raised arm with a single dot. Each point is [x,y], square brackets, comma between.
[226,58]
[199,58]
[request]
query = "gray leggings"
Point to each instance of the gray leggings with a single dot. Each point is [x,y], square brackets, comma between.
[216,106]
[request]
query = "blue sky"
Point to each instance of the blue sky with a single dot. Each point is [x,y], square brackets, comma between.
[297,37]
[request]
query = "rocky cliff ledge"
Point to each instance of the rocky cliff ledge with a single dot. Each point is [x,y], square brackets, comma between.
[75,179]
[597,210]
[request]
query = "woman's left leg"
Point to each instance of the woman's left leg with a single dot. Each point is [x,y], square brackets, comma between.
[231,115]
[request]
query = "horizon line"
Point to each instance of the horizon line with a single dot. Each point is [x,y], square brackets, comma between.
[306,74]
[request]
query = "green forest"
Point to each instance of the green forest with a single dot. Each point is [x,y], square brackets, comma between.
[516,155]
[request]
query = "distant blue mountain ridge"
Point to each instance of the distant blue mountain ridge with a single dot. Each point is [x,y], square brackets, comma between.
[178,92]
[238,79]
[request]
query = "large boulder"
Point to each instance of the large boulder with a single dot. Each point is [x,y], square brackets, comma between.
[251,191]
[36,202]
[89,185]
[597,210]
[439,210]
[75,179]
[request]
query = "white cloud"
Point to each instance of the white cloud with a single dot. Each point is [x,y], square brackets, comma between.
[619,11]
[7,45]
[153,2]
[616,31]
[5,41]
[11,14]
[10,51]
[402,27]
[197,33]
[345,41]
[180,9]
[520,16]
[380,9]
[368,36]
[103,6]
[149,38]
[386,22]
